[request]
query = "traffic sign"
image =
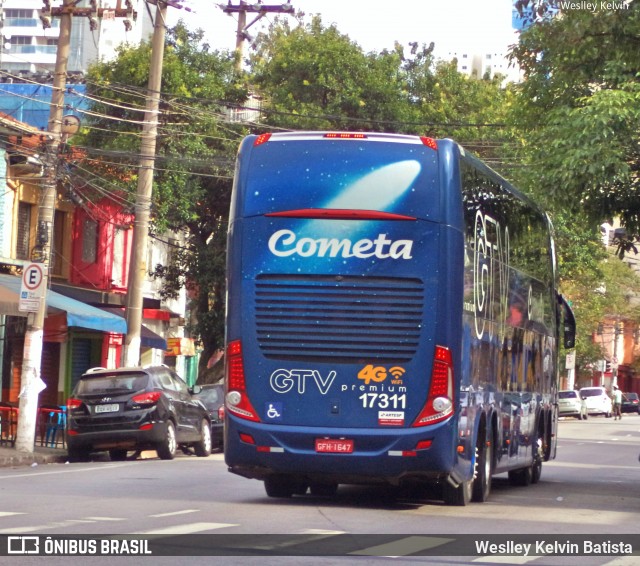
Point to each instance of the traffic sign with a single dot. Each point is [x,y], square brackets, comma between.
[32,288]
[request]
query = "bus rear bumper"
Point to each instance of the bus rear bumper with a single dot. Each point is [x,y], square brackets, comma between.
[383,456]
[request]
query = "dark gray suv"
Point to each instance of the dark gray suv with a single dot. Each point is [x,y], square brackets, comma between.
[142,408]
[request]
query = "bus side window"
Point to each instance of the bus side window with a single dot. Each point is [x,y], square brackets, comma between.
[569,323]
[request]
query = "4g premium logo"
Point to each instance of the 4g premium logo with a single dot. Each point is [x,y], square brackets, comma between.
[378,374]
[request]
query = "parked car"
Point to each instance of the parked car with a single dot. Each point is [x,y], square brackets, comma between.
[598,401]
[571,404]
[630,403]
[142,408]
[212,396]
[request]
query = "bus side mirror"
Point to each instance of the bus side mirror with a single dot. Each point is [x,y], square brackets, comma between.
[569,321]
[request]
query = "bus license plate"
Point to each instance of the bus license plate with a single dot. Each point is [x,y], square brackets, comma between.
[112,408]
[334,446]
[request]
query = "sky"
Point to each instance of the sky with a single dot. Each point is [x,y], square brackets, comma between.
[375,24]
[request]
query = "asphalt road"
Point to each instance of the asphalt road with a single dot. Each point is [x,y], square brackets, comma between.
[591,489]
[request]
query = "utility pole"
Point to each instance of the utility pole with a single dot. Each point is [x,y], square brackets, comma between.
[138,263]
[257,8]
[31,382]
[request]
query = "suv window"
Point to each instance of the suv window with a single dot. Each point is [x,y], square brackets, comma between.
[179,385]
[592,392]
[568,394]
[112,383]
[165,381]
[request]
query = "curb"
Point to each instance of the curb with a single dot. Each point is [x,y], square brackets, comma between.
[11,457]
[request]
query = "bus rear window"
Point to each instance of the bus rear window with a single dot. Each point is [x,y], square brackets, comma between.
[338,175]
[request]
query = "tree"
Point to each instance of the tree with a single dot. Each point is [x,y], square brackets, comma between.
[579,107]
[194,159]
[313,77]
[577,112]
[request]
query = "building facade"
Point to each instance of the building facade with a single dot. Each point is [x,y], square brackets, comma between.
[89,265]
[28,46]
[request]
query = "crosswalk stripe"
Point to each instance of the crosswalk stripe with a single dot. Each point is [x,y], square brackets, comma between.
[402,547]
[173,513]
[186,529]
[505,559]
[24,529]
[321,532]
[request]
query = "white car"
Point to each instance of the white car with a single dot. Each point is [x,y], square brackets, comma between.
[598,400]
[571,404]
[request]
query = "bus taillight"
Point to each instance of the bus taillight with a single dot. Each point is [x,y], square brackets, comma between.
[429,142]
[262,138]
[439,405]
[236,400]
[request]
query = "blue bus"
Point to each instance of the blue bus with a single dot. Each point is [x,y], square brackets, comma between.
[392,318]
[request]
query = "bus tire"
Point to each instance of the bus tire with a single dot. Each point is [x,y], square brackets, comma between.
[457,496]
[278,486]
[538,456]
[520,477]
[484,470]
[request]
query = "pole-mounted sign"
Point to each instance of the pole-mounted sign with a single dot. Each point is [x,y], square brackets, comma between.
[32,287]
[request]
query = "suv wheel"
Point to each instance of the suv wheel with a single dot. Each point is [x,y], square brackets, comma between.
[203,447]
[78,454]
[167,448]
[118,454]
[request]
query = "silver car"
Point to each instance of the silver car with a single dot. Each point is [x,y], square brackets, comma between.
[571,404]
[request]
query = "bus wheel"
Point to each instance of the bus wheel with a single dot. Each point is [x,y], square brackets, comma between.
[279,486]
[521,477]
[458,496]
[484,468]
[536,467]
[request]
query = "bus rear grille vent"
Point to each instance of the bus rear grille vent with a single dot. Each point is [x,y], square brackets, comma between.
[339,319]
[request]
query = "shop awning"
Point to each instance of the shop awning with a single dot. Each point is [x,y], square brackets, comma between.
[148,338]
[78,314]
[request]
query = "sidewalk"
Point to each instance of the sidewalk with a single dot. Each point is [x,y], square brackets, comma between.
[10,457]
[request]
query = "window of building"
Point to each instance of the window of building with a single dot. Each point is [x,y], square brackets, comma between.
[20,40]
[90,241]
[24,230]
[12,13]
[57,259]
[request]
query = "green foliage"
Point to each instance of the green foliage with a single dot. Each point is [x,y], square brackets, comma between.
[313,77]
[194,159]
[579,108]
[577,112]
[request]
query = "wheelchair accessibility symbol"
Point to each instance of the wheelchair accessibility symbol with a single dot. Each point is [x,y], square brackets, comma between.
[274,411]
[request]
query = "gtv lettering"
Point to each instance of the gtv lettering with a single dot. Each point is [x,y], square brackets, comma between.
[283,381]
[284,243]
[492,251]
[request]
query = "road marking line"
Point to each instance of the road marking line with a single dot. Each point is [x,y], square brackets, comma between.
[557,464]
[175,513]
[105,519]
[403,547]
[506,559]
[25,529]
[321,532]
[64,471]
[186,529]
[10,513]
